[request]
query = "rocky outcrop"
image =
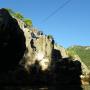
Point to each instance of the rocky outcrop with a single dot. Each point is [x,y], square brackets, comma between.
[85,77]
[62,50]
[12,42]
[43,49]
[45,52]
[85,69]
[42,58]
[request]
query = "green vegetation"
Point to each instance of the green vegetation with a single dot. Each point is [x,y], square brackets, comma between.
[50,36]
[17,15]
[28,22]
[82,51]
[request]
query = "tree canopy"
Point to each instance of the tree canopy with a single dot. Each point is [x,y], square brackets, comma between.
[28,22]
[18,15]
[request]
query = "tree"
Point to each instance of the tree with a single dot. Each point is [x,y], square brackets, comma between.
[28,22]
[19,16]
[50,36]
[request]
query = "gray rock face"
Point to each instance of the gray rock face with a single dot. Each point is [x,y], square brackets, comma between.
[43,49]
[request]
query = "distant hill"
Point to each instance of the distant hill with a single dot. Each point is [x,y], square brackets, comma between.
[82,51]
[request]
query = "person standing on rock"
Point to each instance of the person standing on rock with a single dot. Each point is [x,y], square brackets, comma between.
[53,42]
[32,45]
[34,35]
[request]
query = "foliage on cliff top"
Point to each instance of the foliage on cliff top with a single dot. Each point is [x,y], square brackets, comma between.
[18,15]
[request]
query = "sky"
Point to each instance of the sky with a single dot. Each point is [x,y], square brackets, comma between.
[69,23]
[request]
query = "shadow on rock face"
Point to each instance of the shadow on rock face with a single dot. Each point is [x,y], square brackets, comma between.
[12,42]
[56,54]
[68,72]
[12,47]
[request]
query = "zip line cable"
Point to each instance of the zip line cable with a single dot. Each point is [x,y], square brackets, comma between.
[59,8]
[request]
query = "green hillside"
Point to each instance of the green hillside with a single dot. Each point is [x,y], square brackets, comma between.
[82,51]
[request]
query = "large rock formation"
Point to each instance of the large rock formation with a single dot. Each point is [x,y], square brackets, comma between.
[43,59]
[12,42]
[45,50]
[46,53]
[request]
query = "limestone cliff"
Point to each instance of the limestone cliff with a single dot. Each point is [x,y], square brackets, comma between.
[38,52]
[43,49]
[45,52]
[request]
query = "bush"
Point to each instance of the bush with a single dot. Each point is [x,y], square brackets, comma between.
[28,22]
[50,36]
[18,15]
